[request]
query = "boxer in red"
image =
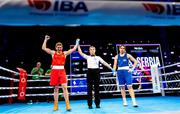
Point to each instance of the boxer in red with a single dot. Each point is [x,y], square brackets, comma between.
[58,74]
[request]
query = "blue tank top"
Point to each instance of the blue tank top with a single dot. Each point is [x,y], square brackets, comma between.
[123,61]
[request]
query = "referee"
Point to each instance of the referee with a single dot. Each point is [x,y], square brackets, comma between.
[93,74]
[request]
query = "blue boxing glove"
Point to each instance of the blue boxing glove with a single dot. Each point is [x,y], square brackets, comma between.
[77,41]
[131,70]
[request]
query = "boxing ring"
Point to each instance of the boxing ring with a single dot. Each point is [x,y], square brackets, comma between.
[164,101]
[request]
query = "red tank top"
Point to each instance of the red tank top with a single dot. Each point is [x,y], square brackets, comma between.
[58,59]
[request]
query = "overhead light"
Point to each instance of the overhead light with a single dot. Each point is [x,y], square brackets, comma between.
[7,60]
[172,52]
[72,25]
[104,53]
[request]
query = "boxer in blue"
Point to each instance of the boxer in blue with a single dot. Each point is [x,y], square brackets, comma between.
[124,73]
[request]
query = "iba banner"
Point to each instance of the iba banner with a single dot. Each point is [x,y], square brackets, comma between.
[79,12]
[22,84]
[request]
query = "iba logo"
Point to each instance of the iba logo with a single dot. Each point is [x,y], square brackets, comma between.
[40,4]
[155,8]
[167,9]
[58,5]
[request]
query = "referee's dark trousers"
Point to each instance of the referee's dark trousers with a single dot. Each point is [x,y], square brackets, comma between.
[93,78]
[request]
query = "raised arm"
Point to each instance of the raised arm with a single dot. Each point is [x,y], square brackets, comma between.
[81,53]
[73,49]
[44,47]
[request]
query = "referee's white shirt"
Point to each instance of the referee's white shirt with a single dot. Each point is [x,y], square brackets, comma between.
[93,61]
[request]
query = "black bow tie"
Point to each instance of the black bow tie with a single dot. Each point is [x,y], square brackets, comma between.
[92,55]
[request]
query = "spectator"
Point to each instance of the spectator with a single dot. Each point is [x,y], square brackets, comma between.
[36,72]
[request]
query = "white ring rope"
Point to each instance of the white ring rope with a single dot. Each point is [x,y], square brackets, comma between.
[75,77]
[171,88]
[170,81]
[102,78]
[8,70]
[171,73]
[70,75]
[72,93]
[7,78]
[45,87]
[78,75]
[83,93]
[8,96]
[167,66]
